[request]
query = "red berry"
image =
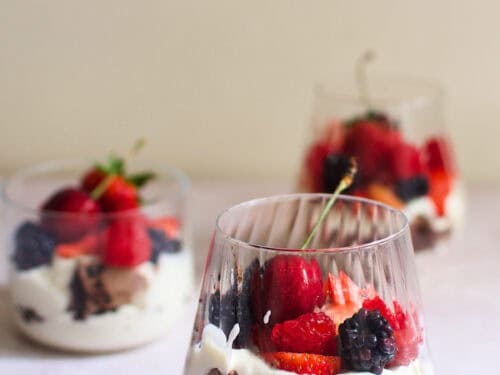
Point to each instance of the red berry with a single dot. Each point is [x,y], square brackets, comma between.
[82,214]
[310,333]
[314,164]
[304,363]
[407,332]
[405,161]
[291,286]
[438,155]
[92,179]
[120,195]
[126,243]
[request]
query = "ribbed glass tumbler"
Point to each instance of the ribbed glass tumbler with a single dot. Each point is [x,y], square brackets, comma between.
[349,303]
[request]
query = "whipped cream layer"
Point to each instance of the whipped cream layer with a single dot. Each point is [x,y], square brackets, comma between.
[152,312]
[215,351]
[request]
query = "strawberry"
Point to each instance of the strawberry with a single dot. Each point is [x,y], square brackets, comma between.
[304,363]
[92,179]
[345,297]
[87,245]
[440,184]
[310,333]
[170,225]
[407,333]
[291,286]
[120,195]
[438,155]
[69,214]
[126,243]
[405,161]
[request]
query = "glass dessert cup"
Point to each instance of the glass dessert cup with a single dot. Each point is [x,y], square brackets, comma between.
[348,304]
[96,282]
[397,134]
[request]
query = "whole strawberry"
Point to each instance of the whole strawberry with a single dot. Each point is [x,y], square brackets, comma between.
[290,286]
[120,195]
[126,243]
[69,214]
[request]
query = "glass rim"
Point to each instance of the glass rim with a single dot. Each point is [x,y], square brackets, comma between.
[428,88]
[404,228]
[52,165]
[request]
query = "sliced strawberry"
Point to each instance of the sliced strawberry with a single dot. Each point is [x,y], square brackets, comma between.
[384,194]
[407,333]
[438,155]
[310,333]
[170,225]
[304,363]
[291,286]
[440,184]
[126,242]
[87,245]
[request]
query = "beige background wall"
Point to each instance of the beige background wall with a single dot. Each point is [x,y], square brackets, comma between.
[224,88]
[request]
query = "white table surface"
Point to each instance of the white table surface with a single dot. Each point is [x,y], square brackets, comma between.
[460,287]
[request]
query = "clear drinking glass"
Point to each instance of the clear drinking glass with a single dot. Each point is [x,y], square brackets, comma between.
[396,131]
[96,282]
[350,303]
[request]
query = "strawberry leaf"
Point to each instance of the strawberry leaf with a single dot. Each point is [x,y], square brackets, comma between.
[140,179]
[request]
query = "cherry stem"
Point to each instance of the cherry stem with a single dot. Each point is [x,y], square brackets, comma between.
[344,183]
[362,79]
[104,184]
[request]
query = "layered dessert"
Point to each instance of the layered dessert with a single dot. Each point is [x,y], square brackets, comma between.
[284,318]
[95,268]
[418,178]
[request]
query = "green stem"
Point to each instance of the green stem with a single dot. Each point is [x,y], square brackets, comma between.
[101,188]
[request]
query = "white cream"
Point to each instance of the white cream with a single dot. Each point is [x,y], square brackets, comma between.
[46,290]
[214,351]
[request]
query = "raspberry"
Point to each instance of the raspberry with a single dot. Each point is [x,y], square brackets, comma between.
[310,333]
[366,341]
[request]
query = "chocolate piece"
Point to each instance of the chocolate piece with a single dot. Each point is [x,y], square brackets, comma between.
[97,290]
[29,315]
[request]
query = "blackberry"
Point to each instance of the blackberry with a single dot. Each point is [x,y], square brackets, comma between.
[334,169]
[412,187]
[161,244]
[234,306]
[366,342]
[33,246]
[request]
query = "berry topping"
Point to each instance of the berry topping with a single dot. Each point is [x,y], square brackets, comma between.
[310,333]
[71,201]
[291,286]
[405,161]
[440,187]
[33,247]
[126,242]
[407,334]
[120,195]
[303,363]
[334,169]
[366,342]
[160,244]
[87,245]
[412,187]
[437,153]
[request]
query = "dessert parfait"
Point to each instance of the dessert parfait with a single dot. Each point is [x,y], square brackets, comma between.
[98,256]
[404,156]
[345,302]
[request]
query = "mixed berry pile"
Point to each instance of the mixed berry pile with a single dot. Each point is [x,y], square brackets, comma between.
[301,323]
[390,168]
[100,218]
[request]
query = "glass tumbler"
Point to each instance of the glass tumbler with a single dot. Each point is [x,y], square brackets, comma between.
[348,304]
[96,282]
[396,131]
